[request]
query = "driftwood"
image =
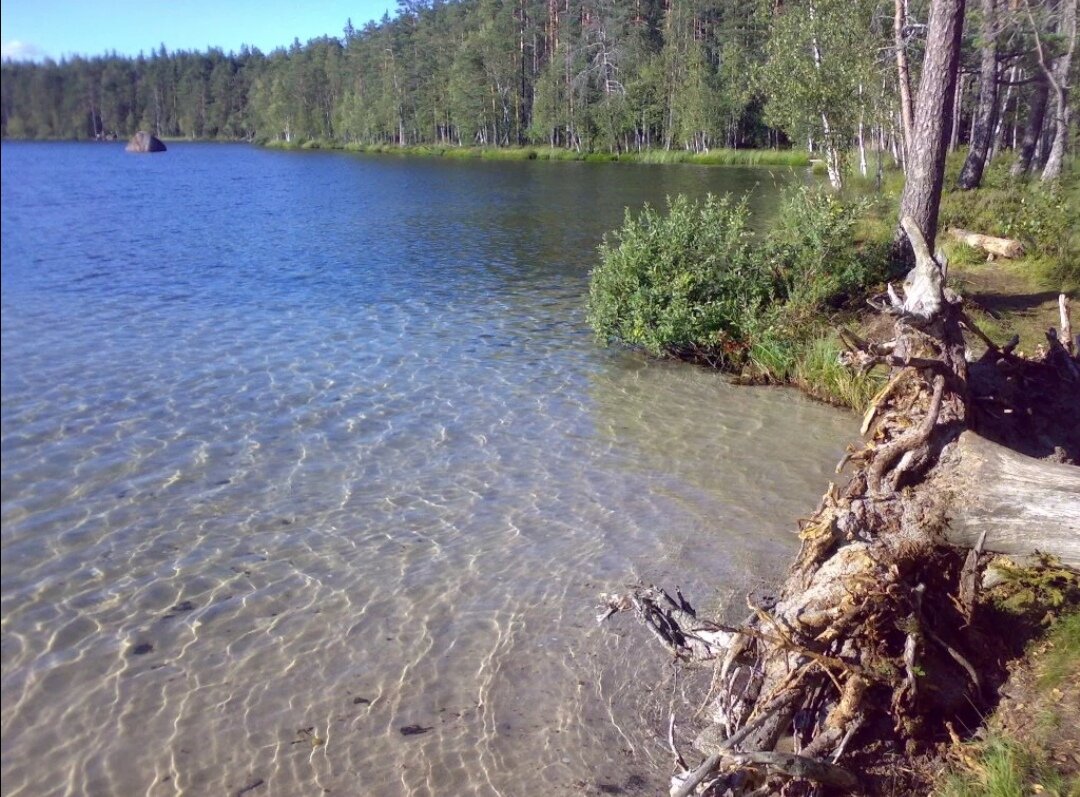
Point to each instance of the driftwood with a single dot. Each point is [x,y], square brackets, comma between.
[873,642]
[994,247]
[1018,502]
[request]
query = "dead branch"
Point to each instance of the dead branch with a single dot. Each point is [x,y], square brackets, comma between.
[712,761]
[888,454]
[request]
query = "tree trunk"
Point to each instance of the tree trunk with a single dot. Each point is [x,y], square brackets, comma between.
[1058,77]
[933,112]
[903,75]
[1021,504]
[1000,125]
[958,107]
[985,112]
[999,247]
[1033,128]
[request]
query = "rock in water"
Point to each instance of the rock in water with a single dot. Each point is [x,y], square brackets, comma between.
[144,142]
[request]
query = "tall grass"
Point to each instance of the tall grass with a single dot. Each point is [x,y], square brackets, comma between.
[1005,768]
[717,157]
[722,157]
[819,372]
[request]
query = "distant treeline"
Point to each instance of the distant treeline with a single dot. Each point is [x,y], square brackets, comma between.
[582,74]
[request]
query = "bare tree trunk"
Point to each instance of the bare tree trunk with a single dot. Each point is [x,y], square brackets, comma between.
[933,112]
[831,147]
[958,107]
[862,149]
[985,112]
[1058,77]
[998,139]
[1033,129]
[903,75]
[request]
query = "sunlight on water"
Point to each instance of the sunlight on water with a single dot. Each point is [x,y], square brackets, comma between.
[312,475]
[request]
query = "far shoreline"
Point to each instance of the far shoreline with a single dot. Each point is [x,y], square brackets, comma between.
[789,158]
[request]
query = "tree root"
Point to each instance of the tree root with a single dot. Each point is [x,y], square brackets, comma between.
[875,641]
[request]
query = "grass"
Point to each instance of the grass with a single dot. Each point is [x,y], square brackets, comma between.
[1062,660]
[1024,752]
[716,157]
[819,372]
[813,365]
[1004,767]
[722,157]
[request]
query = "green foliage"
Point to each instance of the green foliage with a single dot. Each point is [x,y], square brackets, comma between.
[1004,768]
[819,65]
[585,76]
[1044,217]
[696,283]
[1007,764]
[1034,589]
[811,250]
[682,281]
[1064,654]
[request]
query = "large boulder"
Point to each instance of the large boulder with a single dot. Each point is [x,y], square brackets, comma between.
[144,142]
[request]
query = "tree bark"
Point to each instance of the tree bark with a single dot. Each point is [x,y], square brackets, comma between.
[1021,504]
[1033,128]
[933,113]
[986,111]
[1000,247]
[1058,77]
[903,75]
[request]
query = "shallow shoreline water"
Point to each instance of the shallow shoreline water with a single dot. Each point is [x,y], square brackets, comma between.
[312,474]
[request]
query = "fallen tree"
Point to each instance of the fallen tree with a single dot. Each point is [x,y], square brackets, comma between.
[992,245]
[873,648]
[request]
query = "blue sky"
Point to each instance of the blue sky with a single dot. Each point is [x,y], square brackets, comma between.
[36,29]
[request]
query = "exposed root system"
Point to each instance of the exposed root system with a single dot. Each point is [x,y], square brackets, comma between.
[876,647]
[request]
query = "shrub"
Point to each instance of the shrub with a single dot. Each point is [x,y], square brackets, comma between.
[811,249]
[680,282]
[697,283]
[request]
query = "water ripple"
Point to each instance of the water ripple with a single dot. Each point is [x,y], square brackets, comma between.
[310,485]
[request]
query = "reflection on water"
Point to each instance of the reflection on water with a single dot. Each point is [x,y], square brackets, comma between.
[312,474]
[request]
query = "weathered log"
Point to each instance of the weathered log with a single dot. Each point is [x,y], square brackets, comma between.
[1020,503]
[997,247]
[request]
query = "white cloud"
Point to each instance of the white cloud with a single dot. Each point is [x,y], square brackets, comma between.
[16,50]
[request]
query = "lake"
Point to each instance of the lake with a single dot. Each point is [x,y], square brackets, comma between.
[313,472]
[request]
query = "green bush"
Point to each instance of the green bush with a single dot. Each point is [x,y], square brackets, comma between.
[811,249]
[697,283]
[680,282]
